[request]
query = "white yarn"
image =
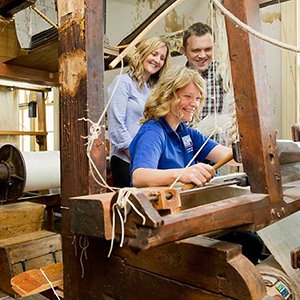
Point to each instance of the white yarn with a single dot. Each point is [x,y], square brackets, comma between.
[207,125]
[50,283]
[248,29]
[121,206]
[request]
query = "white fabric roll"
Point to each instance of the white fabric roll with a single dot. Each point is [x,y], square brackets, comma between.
[42,170]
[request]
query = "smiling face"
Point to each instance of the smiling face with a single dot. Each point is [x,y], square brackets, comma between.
[190,97]
[154,62]
[189,100]
[198,51]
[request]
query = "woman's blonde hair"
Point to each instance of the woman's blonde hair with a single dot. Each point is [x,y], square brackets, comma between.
[142,51]
[159,103]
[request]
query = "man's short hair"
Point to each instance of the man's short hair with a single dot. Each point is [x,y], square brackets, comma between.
[198,29]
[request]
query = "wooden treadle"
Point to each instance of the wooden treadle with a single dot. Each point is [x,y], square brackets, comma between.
[33,282]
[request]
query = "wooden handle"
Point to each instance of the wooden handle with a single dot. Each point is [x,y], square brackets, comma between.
[189,186]
[219,164]
[223,161]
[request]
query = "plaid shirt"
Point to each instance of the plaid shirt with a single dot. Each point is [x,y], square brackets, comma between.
[209,105]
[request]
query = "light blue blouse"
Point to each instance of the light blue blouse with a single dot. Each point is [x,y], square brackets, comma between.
[124,113]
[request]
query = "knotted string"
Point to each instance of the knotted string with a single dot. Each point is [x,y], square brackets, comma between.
[121,206]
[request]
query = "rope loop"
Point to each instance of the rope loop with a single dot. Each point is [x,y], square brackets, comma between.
[122,207]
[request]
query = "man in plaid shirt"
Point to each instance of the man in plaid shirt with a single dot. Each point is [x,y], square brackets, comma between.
[198,49]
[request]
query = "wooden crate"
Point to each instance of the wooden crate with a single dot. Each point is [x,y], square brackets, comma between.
[26,252]
[20,218]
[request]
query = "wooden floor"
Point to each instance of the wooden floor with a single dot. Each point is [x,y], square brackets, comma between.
[34,297]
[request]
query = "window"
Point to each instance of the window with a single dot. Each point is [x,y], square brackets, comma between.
[28,142]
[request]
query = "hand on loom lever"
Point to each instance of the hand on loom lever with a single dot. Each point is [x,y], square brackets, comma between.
[199,174]
[193,184]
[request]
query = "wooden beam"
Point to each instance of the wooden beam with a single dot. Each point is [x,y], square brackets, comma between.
[81,95]
[265,3]
[11,132]
[253,101]
[16,73]
[129,38]
[10,7]
[91,215]
[240,278]
[33,281]
[289,68]
[41,139]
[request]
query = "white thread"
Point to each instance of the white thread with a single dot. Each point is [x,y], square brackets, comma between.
[213,66]
[95,131]
[121,204]
[183,171]
[50,283]
[248,29]
[215,112]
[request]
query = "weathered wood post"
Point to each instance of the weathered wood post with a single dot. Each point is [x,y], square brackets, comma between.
[253,101]
[81,95]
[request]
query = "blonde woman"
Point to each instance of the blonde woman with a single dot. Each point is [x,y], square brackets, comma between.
[164,144]
[150,59]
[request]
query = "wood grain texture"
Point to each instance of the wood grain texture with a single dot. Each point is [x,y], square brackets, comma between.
[28,251]
[253,101]
[91,215]
[81,95]
[190,269]
[201,262]
[20,218]
[31,75]
[33,282]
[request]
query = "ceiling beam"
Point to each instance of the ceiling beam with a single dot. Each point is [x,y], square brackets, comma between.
[16,73]
[264,3]
[10,7]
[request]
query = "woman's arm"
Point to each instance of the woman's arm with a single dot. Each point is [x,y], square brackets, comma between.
[117,110]
[198,174]
[219,152]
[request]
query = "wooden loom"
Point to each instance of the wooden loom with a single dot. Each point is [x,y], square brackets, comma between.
[165,258]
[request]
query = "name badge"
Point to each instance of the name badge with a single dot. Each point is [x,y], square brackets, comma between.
[188,144]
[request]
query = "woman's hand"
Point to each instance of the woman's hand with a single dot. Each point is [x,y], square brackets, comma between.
[198,174]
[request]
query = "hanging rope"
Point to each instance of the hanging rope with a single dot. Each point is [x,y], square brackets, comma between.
[95,132]
[50,283]
[248,29]
[121,206]
[194,157]
[215,109]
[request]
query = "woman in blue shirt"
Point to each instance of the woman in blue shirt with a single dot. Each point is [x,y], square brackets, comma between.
[164,145]
[149,60]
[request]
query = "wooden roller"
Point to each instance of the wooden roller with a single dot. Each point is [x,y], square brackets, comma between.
[219,164]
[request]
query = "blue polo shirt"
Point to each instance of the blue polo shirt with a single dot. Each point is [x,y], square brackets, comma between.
[158,146]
